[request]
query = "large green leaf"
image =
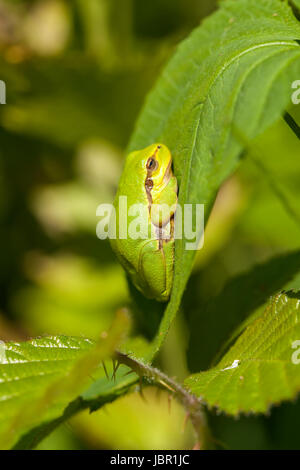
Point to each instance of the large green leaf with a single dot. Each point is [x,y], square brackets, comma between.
[262,367]
[46,380]
[226,84]
[241,296]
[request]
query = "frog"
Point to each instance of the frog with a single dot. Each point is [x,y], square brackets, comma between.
[148,181]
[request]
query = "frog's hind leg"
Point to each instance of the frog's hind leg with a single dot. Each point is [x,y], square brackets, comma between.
[152,267]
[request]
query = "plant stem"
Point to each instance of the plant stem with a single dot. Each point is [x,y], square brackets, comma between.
[192,404]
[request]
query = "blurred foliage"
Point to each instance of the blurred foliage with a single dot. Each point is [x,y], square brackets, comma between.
[77,74]
[136,423]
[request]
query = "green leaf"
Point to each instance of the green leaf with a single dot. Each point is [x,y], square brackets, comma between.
[241,296]
[261,369]
[44,381]
[230,79]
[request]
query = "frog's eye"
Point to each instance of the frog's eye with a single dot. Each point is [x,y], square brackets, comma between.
[152,164]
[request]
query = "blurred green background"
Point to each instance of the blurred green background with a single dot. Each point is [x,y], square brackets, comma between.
[77,74]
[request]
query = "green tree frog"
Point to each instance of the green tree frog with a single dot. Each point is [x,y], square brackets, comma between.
[148,180]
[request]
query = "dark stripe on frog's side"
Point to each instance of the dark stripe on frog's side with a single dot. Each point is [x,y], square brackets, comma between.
[149,181]
[148,188]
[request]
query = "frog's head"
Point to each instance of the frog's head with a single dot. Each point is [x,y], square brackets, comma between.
[150,167]
[159,171]
[153,162]
[159,165]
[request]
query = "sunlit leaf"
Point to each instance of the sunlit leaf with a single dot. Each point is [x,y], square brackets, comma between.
[42,380]
[262,367]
